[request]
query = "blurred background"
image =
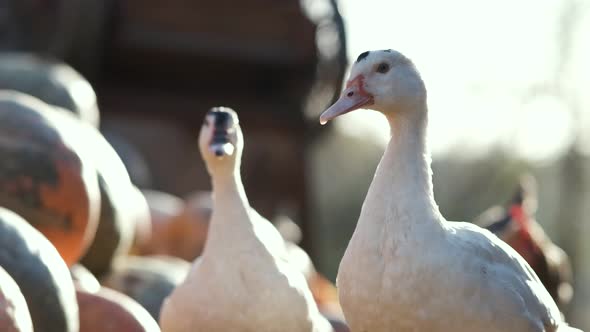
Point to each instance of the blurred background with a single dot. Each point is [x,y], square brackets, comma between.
[505,79]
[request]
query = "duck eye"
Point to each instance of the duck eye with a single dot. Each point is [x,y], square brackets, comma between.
[206,123]
[383,68]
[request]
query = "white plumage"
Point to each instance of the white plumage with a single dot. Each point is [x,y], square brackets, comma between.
[243,281]
[406,268]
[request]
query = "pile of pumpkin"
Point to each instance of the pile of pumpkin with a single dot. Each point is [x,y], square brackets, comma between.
[81,247]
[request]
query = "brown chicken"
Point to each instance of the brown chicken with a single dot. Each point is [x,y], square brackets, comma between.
[516,225]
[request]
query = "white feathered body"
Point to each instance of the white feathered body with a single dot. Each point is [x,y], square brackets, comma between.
[243,281]
[445,283]
[407,269]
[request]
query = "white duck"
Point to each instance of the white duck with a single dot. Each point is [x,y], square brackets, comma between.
[242,281]
[406,268]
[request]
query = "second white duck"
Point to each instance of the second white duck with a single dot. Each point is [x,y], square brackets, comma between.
[242,281]
[406,268]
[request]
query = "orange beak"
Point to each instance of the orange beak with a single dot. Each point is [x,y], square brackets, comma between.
[353,97]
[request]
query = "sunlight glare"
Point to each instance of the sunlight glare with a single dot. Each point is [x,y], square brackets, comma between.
[545,125]
[479,61]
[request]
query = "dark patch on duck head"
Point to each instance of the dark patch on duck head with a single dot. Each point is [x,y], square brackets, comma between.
[221,123]
[362,56]
[220,117]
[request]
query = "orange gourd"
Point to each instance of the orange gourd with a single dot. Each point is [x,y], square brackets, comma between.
[163,207]
[40,273]
[44,174]
[179,227]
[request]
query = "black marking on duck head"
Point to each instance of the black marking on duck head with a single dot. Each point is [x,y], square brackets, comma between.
[220,117]
[362,56]
[220,136]
[221,124]
[388,51]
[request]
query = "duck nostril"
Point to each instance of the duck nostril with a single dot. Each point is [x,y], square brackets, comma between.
[350,94]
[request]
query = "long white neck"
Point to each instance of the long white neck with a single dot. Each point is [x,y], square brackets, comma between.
[401,194]
[228,189]
[230,220]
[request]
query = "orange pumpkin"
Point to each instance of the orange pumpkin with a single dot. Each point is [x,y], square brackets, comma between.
[163,208]
[45,176]
[40,273]
[111,311]
[14,312]
[179,227]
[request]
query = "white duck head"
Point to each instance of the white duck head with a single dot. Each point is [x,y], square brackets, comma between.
[221,141]
[384,81]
